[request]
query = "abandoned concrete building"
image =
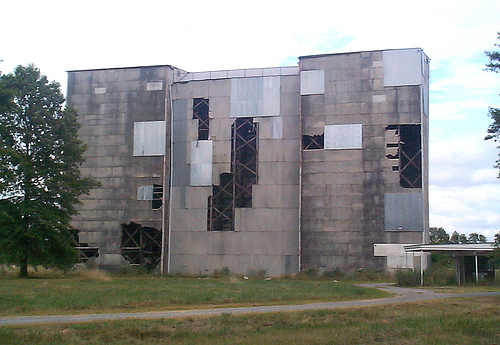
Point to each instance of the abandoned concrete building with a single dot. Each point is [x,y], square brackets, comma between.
[321,165]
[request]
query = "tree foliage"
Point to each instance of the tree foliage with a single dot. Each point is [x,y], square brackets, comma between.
[440,236]
[494,113]
[40,180]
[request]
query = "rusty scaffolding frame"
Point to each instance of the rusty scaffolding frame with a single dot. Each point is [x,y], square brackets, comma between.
[141,246]
[408,154]
[313,142]
[235,188]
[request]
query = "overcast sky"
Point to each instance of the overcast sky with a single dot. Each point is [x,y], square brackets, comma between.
[208,35]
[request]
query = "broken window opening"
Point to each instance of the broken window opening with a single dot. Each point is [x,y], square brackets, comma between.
[85,252]
[200,113]
[141,246]
[235,189]
[157,197]
[221,206]
[409,153]
[313,142]
[244,160]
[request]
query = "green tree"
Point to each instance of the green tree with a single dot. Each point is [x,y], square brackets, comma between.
[494,113]
[439,236]
[40,180]
[457,238]
[476,238]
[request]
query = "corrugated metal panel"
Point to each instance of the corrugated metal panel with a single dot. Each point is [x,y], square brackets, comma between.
[201,163]
[258,96]
[403,67]
[343,137]
[149,138]
[404,212]
[312,82]
[145,193]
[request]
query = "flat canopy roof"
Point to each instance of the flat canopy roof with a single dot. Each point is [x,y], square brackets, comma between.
[459,249]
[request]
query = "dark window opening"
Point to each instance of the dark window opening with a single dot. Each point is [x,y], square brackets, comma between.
[313,142]
[200,113]
[235,189]
[85,252]
[156,202]
[141,246]
[220,205]
[244,160]
[408,150]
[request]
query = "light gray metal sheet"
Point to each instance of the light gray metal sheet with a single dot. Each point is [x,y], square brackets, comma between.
[343,136]
[276,127]
[403,67]
[258,96]
[179,166]
[404,212]
[201,163]
[149,138]
[312,82]
[180,110]
[145,193]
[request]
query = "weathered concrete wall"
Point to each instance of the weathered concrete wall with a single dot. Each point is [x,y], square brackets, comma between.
[327,205]
[265,235]
[343,190]
[108,103]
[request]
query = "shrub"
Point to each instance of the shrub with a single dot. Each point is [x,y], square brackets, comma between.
[407,277]
[334,273]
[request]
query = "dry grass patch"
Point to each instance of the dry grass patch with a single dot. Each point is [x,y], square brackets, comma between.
[460,321]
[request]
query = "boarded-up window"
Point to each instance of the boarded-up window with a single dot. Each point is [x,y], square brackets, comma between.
[403,67]
[259,96]
[149,138]
[404,212]
[312,82]
[201,163]
[343,137]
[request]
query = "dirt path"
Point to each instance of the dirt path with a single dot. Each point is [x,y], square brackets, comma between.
[403,295]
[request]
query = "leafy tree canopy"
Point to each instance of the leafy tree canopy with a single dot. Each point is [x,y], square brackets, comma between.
[440,236]
[40,181]
[494,113]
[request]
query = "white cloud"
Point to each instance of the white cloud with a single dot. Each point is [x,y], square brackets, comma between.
[60,35]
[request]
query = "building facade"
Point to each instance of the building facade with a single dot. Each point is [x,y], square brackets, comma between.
[321,165]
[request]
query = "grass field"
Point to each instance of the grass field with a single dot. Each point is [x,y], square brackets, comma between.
[96,292]
[457,321]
